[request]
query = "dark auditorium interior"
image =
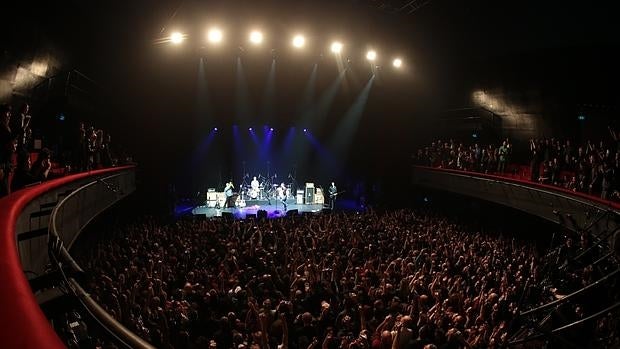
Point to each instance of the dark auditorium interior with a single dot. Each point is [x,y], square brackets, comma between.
[309,174]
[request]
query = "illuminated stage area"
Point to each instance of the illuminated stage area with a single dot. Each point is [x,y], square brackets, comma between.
[252,202]
[272,210]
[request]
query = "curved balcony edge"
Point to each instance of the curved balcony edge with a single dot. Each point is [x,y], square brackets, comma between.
[574,211]
[22,322]
[68,218]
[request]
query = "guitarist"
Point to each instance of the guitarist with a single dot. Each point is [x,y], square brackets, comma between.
[228,191]
[333,193]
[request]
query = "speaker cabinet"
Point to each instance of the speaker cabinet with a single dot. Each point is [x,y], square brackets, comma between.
[309,193]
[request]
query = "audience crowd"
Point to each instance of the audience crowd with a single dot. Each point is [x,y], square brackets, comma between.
[392,280]
[92,150]
[591,168]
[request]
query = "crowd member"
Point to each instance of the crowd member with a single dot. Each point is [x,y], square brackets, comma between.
[23,175]
[592,168]
[93,150]
[81,151]
[20,127]
[8,146]
[453,155]
[41,168]
[400,279]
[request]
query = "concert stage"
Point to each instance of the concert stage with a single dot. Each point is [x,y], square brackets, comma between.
[272,210]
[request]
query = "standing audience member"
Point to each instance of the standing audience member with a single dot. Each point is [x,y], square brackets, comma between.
[81,152]
[391,280]
[8,145]
[593,167]
[535,160]
[23,175]
[20,126]
[107,158]
[502,152]
[98,149]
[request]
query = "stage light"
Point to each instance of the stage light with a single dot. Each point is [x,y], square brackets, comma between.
[336,47]
[305,130]
[397,62]
[215,129]
[215,36]
[299,41]
[256,37]
[176,38]
[271,129]
[371,55]
[250,129]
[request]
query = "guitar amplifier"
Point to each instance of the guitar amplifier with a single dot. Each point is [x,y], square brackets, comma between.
[299,198]
[319,198]
[309,193]
[211,199]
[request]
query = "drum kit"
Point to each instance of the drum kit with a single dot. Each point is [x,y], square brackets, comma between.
[263,188]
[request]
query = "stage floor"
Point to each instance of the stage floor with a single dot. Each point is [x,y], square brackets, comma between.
[273,211]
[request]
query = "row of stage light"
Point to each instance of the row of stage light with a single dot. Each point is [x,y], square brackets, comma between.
[215,36]
[251,129]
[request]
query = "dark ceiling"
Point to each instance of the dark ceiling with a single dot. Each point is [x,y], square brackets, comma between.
[566,50]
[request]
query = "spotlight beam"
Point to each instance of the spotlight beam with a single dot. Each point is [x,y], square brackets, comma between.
[327,98]
[345,131]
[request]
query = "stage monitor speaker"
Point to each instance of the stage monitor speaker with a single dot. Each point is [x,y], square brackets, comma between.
[261,214]
[294,212]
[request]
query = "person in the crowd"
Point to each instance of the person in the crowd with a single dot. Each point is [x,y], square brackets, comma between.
[92,149]
[400,279]
[8,145]
[91,146]
[20,127]
[41,168]
[107,159]
[595,166]
[23,175]
[502,153]
[81,151]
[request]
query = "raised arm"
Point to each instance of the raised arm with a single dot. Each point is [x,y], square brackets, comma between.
[284,331]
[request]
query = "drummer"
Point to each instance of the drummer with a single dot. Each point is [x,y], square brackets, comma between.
[254,188]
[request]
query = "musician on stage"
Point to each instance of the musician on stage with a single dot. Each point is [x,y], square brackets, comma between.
[333,193]
[254,188]
[228,191]
[282,194]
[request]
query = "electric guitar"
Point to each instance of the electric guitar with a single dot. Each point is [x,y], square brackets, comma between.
[331,196]
[228,191]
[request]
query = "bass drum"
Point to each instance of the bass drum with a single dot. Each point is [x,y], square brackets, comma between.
[253,194]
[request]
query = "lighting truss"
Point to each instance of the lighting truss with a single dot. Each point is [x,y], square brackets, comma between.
[398,6]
